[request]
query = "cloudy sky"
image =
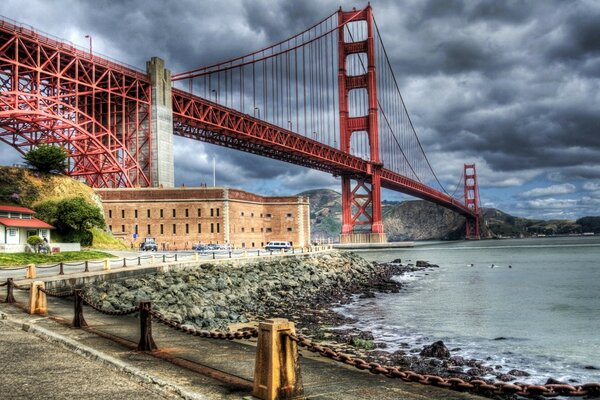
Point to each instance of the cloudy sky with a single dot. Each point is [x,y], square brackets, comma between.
[511,85]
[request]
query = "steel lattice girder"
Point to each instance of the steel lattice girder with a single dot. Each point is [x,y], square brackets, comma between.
[200,119]
[204,120]
[51,92]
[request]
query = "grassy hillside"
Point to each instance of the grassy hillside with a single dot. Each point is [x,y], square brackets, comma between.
[27,188]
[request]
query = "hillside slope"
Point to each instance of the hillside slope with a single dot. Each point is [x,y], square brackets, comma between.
[27,188]
[410,220]
[421,220]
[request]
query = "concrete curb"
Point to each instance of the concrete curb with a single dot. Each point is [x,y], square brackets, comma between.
[149,381]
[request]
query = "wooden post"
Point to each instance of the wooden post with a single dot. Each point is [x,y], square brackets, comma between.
[10,298]
[195,256]
[277,371]
[146,342]
[106,266]
[152,259]
[30,273]
[37,299]
[78,320]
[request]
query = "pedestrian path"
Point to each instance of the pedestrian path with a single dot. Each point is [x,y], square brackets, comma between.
[185,366]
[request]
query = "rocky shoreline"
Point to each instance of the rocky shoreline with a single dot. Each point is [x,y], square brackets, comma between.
[303,289]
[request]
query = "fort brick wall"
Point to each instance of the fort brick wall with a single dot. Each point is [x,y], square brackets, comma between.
[177,218]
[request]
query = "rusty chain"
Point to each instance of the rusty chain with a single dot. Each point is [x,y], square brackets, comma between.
[96,307]
[476,385]
[48,266]
[14,269]
[74,264]
[25,288]
[52,293]
[248,334]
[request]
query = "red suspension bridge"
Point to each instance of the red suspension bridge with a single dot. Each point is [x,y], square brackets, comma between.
[326,99]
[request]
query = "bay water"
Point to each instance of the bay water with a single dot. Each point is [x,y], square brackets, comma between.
[541,315]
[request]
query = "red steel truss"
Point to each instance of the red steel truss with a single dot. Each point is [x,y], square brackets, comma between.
[361,203]
[99,111]
[200,119]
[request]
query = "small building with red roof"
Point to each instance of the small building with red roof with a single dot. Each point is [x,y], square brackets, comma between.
[17,224]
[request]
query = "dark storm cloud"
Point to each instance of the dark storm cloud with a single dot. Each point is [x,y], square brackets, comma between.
[513,85]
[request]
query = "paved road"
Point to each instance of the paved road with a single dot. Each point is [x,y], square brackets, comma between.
[32,368]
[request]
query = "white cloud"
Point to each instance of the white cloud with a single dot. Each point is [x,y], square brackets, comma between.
[550,190]
[591,186]
[552,203]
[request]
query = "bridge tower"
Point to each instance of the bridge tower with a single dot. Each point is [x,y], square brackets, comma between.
[163,170]
[472,200]
[361,195]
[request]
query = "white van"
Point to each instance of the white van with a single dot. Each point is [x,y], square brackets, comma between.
[278,246]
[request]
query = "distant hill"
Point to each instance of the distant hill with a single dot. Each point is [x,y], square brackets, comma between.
[408,220]
[421,220]
[505,225]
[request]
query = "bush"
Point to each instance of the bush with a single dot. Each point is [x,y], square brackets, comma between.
[35,241]
[47,158]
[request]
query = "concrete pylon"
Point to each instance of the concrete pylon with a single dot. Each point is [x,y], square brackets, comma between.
[277,371]
[37,299]
[162,124]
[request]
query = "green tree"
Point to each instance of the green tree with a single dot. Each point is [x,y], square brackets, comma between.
[47,211]
[47,158]
[73,218]
[35,241]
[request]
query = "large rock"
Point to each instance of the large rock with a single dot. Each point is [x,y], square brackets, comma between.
[436,349]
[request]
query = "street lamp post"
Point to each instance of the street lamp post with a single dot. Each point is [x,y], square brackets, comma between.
[255,110]
[216,95]
[90,38]
[290,125]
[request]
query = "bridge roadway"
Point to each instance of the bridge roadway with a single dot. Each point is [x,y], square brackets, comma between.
[101,360]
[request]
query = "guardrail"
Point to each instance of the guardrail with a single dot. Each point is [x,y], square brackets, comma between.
[31,271]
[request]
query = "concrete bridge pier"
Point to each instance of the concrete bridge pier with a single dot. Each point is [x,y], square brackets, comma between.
[163,171]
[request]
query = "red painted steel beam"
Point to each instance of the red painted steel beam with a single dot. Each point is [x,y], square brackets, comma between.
[204,120]
[52,92]
[200,119]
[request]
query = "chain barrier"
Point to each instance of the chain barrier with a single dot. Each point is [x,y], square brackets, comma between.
[48,266]
[248,334]
[14,269]
[52,293]
[25,288]
[476,386]
[96,307]
[73,264]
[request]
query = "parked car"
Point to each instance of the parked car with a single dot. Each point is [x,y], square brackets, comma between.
[278,246]
[199,247]
[149,245]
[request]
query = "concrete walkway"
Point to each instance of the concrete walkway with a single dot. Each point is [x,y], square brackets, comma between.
[100,362]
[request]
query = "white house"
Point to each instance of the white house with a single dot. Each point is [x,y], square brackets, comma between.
[16,225]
